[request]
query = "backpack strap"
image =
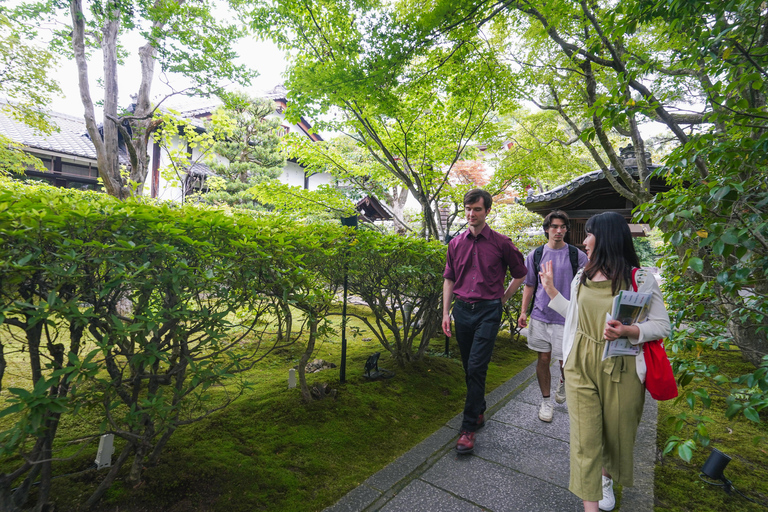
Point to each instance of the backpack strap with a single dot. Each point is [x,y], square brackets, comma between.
[537,254]
[573,253]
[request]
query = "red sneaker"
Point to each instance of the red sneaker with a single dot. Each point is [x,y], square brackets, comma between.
[480,421]
[466,442]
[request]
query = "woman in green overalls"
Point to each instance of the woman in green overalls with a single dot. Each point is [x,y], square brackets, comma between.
[605,397]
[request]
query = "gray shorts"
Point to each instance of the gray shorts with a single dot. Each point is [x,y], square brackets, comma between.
[543,337]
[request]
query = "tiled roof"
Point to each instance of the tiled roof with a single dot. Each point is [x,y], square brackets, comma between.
[277,93]
[71,139]
[198,169]
[190,106]
[564,190]
[374,209]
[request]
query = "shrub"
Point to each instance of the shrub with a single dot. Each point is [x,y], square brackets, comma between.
[139,308]
[401,280]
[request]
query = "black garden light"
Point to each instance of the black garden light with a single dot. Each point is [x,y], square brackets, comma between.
[350,222]
[713,469]
[714,466]
[448,238]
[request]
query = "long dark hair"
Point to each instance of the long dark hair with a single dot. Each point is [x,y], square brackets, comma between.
[614,254]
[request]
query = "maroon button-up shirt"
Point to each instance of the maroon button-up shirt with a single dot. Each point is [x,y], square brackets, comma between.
[478,265]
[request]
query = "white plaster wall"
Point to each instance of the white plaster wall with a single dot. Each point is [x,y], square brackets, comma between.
[167,190]
[319,179]
[293,175]
[412,202]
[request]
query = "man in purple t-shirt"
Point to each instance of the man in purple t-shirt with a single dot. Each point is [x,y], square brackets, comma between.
[545,330]
[475,269]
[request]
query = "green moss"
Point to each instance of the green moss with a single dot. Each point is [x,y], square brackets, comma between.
[271,451]
[678,486]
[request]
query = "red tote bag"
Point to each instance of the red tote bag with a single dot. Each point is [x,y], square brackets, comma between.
[659,377]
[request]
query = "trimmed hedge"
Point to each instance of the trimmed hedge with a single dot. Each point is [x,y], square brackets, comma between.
[140,308]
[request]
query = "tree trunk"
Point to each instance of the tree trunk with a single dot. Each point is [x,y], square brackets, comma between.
[134,475]
[399,196]
[106,147]
[305,393]
[752,342]
[107,482]
[18,498]
[142,127]
[430,226]
[106,143]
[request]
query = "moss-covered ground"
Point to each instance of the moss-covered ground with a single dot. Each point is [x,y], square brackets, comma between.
[678,485]
[271,451]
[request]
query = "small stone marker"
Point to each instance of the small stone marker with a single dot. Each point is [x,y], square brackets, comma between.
[291,378]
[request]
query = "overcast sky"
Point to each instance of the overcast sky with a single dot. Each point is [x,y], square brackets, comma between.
[265,57]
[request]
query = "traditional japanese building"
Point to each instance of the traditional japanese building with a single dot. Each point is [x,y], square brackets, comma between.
[70,158]
[591,194]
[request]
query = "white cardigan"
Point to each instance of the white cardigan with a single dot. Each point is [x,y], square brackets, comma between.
[656,326]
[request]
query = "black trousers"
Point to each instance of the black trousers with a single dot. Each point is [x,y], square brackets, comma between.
[476,327]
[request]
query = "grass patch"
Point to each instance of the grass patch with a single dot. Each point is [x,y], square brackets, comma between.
[269,451]
[677,483]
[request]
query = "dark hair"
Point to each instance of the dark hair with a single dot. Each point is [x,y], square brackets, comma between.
[614,253]
[556,214]
[477,193]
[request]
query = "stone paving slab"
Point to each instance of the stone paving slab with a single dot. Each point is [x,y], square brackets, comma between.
[640,496]
[532,394]
[355,500]
[498,488]
[520,464]
[545,458]
[526,416]
[420,495]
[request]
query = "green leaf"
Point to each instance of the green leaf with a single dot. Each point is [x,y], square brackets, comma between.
[696,264]
[685,451]
[719,193]
[41,386]
[732,410]
[24,260]
[751,414]
[21,393]
[13,409]
[56,407]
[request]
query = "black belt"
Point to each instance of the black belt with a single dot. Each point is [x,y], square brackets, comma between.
[478,304]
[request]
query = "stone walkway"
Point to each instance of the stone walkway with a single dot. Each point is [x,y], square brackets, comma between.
[520,464]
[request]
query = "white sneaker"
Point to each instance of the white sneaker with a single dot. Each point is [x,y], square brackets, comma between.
[546,411]
[560,392]
[609,500]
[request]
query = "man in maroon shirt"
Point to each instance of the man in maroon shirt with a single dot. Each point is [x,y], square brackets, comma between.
[475,269]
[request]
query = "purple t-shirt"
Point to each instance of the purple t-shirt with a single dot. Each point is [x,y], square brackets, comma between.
[478,265]
[563,275]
